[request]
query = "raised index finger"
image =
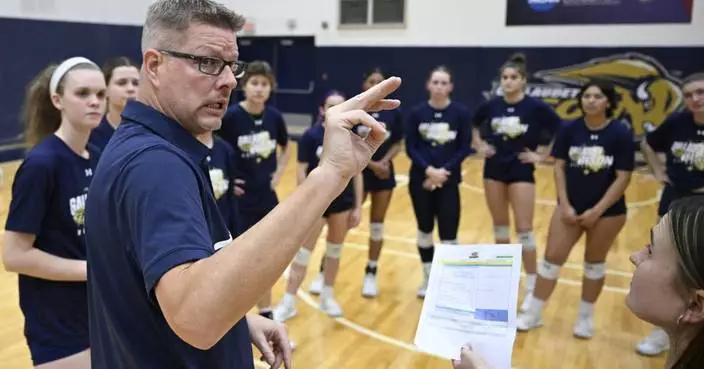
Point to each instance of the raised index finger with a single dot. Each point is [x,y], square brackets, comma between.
[370,97]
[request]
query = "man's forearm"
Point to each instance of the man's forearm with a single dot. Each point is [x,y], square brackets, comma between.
[219,290]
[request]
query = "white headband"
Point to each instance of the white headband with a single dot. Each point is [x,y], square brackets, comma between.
[64,67]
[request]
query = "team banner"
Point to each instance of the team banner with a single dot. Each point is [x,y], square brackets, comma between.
[563,12]
[647,92]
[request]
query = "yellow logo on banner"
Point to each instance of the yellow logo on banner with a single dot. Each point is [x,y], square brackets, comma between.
[648,93]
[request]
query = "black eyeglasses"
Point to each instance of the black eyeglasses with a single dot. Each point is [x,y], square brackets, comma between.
[211,65]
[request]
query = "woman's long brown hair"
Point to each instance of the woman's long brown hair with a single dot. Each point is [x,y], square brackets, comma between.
[39,114]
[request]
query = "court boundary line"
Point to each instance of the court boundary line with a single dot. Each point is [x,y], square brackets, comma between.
[410,255]
[411,241]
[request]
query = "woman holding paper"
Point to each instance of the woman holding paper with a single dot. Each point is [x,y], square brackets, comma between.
[594,161]
[667,289]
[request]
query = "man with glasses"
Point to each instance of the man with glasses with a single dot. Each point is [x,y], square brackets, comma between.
[168,287]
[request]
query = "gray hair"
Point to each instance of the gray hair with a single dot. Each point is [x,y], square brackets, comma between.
[168,19]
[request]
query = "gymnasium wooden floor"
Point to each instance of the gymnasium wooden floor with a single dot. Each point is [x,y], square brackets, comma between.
[379,333]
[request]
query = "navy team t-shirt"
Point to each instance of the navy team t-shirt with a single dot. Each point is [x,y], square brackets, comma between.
[310,147]
[393,121]
[222,170]
[100,135]
[255,139]
[48,201]
[511,128]
[150,208]
[592,158]
[439,138]
[683,142]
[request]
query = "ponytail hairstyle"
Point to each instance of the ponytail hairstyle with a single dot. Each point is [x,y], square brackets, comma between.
[321,107]
[518,62]
[40,115]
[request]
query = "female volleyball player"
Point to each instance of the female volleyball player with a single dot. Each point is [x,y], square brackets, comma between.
[44,238]
[438,137]
[379,182]
[342,214]
[122,79]
[681,138]
[256,131]
[594,160]
[223,174]
[507,131]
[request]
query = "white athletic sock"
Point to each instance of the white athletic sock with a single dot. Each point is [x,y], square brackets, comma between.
[289,299]
[426,270]
[530,281]
[586,308]
[372,263]
[536,306]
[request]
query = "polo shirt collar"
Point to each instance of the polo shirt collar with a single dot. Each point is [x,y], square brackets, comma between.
[166,127]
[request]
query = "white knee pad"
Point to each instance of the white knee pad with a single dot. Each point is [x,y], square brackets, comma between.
[594,271]
[425,240]
[302,256]
[502,233]
[333,250]
[449,242]
[549,270]
[376,231]
[527,240]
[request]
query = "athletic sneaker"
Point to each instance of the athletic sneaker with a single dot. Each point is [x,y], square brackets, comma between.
[529,288]
[655,344]
[423,288]
[528,320]
[526,301]
[284,311]
[426,276]
[330,307]
[369,288]
[317,285]
[584,327]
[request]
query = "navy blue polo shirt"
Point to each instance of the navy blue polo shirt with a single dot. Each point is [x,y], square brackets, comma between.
[150,208]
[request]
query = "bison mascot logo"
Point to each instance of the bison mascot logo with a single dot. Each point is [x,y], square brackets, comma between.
[648,93]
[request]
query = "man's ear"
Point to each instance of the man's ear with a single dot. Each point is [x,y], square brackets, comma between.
[153,59]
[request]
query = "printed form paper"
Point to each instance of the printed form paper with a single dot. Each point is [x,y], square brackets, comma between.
[472,298]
